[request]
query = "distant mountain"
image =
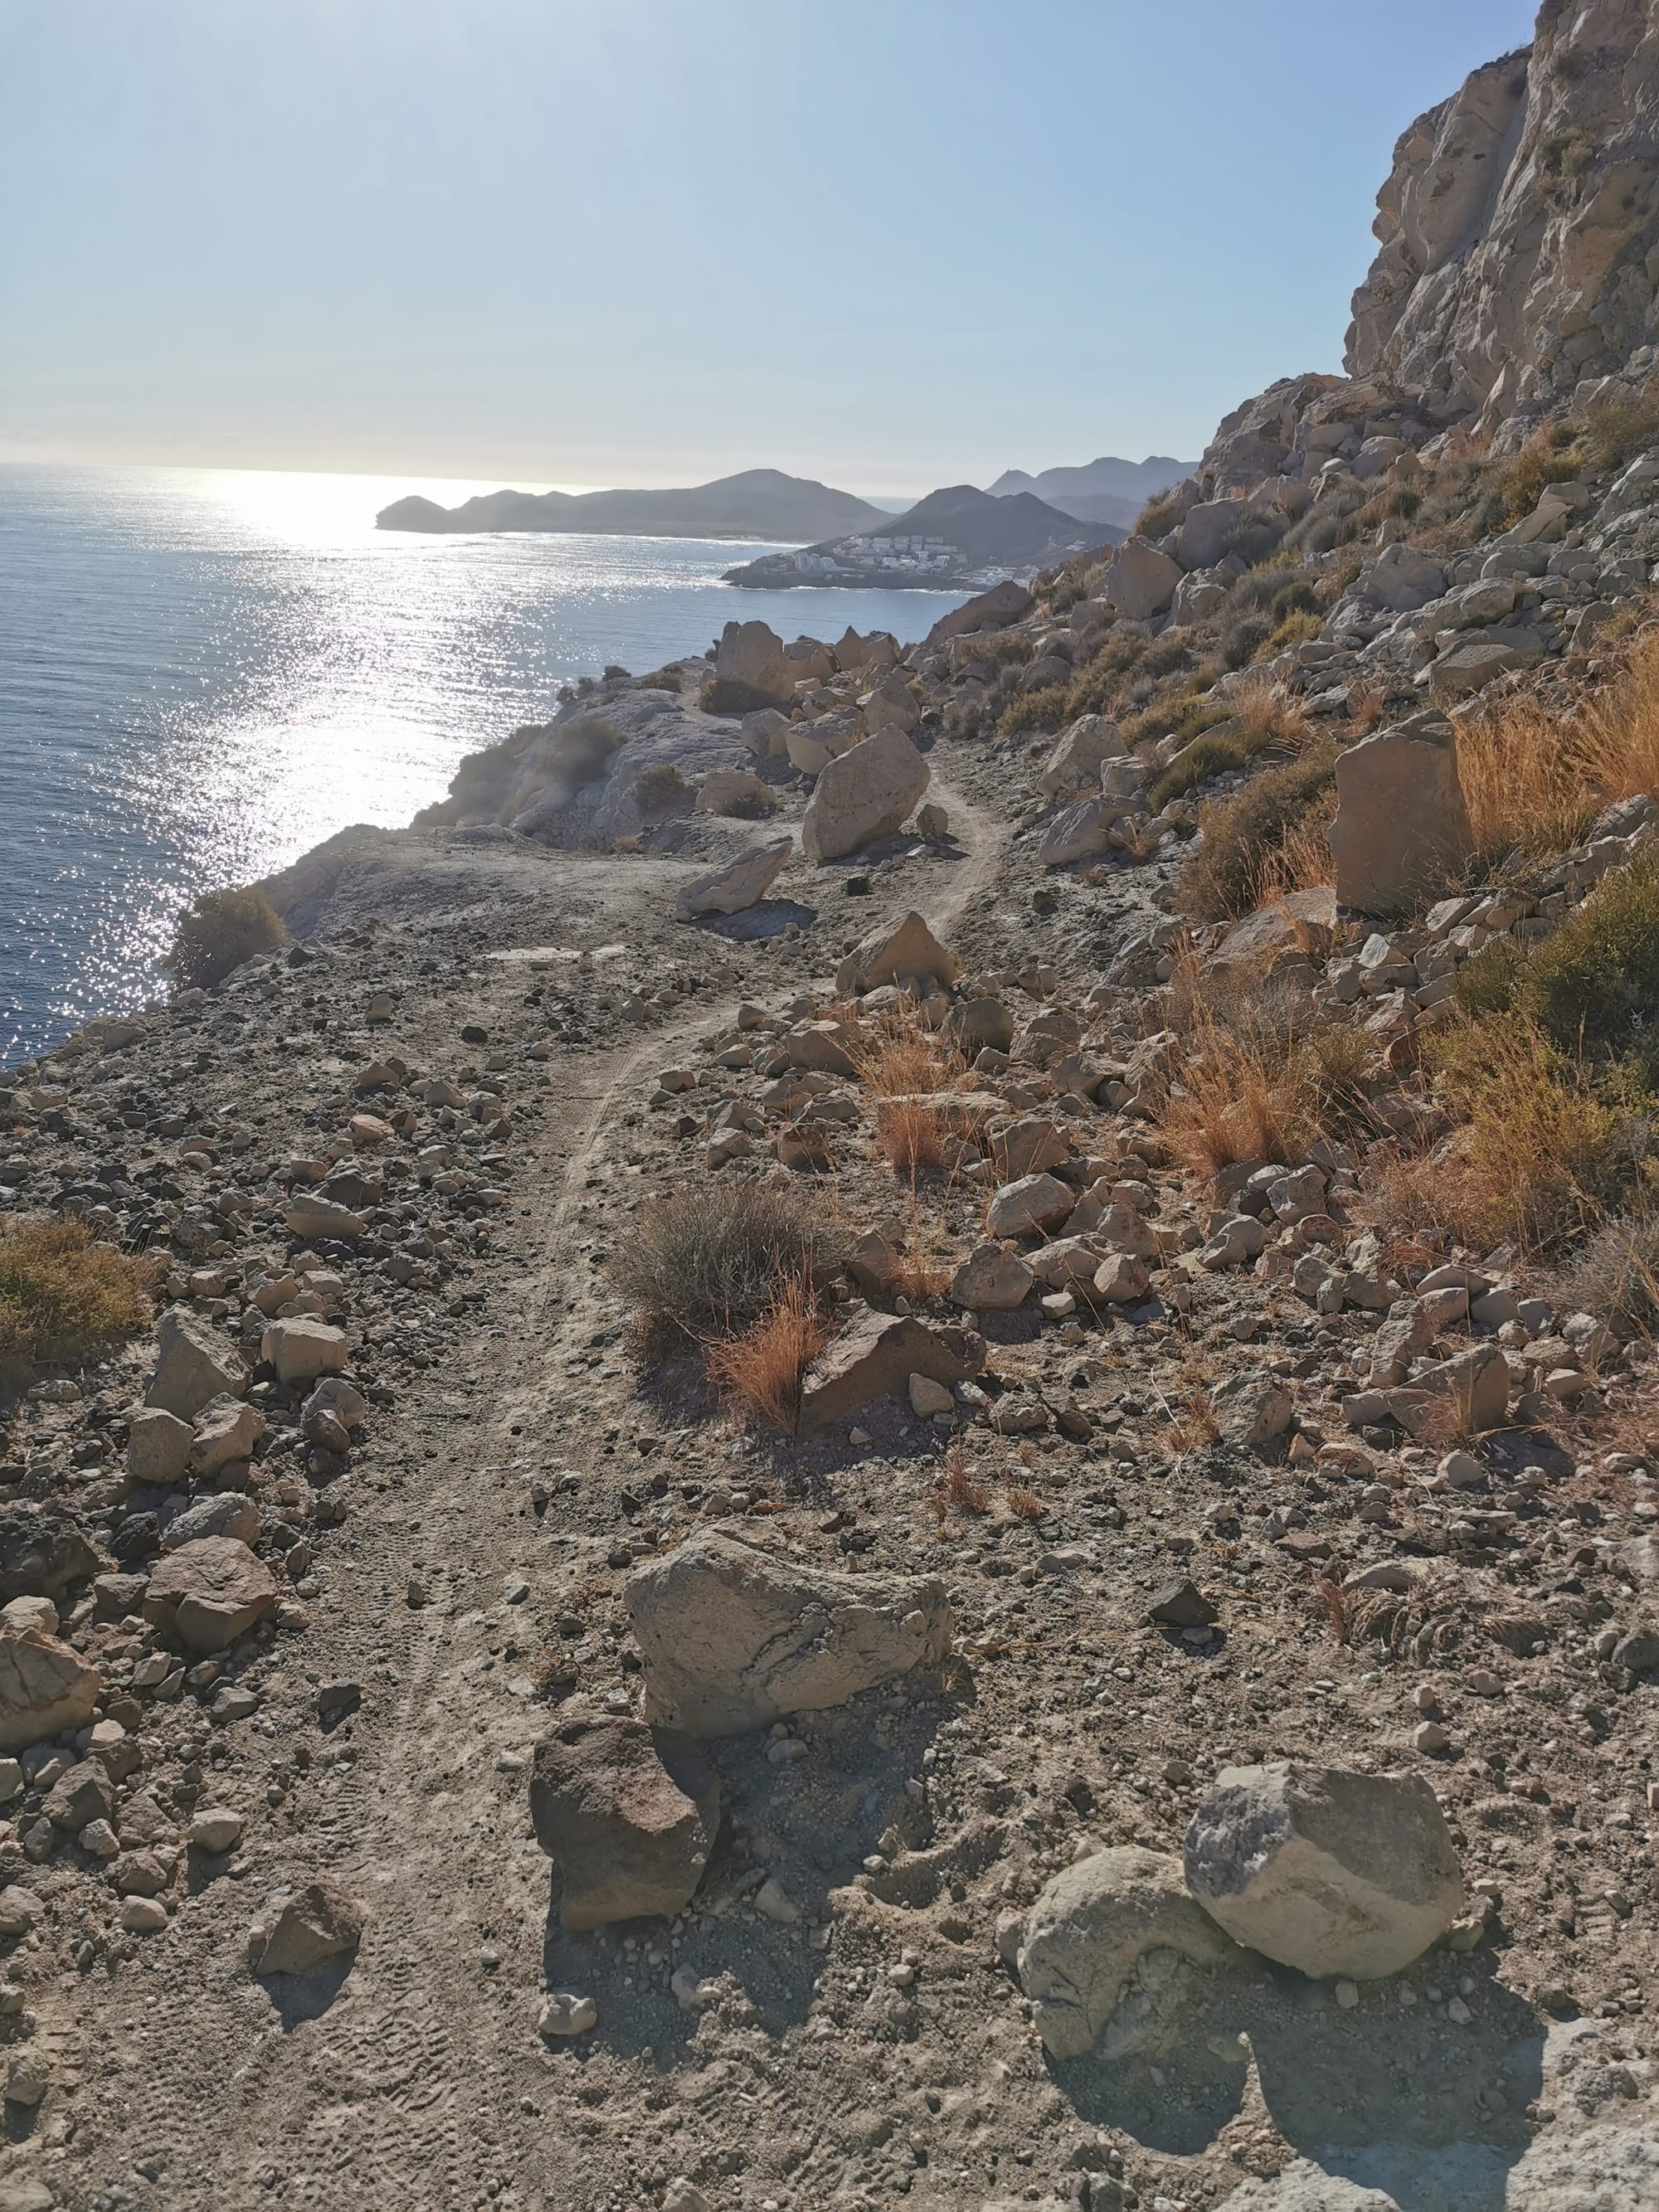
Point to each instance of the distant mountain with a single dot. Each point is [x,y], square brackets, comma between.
[1103,490]
[758,504]
[954,537]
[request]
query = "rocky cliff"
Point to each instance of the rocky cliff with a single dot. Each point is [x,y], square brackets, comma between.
[1520,225]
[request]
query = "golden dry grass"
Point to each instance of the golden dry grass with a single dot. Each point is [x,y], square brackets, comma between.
[1023,1502]
[901,1059]
[1271,715]
[1533,784]
[957,1489]
[763,1369]
[1541,1152]
[65,1296]
[914,1138]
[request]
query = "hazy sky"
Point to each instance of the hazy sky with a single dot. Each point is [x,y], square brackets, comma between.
[890,243]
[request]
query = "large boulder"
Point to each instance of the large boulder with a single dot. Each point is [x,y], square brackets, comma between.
[309,1216]
[868,792]
[43,1549]
[1332,1872]
[194,1363]
[1402,579]
[889,705]
[1401,826]
[1472,663]
[732,790]
[733,1639]
[302,1347]
[1082,832]
[875,1358]
[1091,1926]
[992,1279]
[740,884]
[751,654]
[1469,1392]
[1033,1202]
[210,1592]
[1073,767]
[1140,581]
[227,1430]
[44,1687]
[1206,531]
[1005,602]
[158,1447]
[630,1813]
[298,1930]
[894,952]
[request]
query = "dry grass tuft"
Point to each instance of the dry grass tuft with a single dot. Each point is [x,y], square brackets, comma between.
[64,1297]
[1237,863]
[708,1261]
[901,1059]
[1332,1606]
[762,1369]
[957,1489]
[1024,1502]
[914,1139]
[218,933]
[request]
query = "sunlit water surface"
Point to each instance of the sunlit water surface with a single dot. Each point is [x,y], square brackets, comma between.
[204,672]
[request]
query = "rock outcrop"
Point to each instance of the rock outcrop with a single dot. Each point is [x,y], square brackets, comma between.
[870,792]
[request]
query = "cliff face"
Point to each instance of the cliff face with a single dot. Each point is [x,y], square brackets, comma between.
[1520,225]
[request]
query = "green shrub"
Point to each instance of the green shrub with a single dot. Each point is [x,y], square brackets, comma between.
[217,932]
[1158,517]
[661,679]
[1297,599]
[1243,833]
[1043,709]
[724,695]
[1296,628]
[1196,763]
[63,1297]
[1401,505]
[1487,984]
[1241,643]
[1595,985]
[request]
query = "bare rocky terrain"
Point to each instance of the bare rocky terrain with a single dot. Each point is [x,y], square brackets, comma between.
[1151,1702]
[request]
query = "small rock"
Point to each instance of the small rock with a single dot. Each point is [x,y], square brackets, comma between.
[564,2013]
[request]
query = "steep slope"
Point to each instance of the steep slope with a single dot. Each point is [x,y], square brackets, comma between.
[1519,225]
[756,503]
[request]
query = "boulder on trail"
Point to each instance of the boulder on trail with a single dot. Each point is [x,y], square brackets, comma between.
[896,952]
[302,1348]
[629,1814]
[733,1639]
[1332,1872]
[737,885]
[298,1931]
[1072,769]
[875,1358]
[868,792]
[44,1687]
[209,1592]
[1089,1927]
[193,1363]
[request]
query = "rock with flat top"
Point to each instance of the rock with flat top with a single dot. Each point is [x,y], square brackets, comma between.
[1140,581]
[1005,602]
[1332,1872]
[302,1347]
[894,952]
[629,1814]
[227,1429]
[1401,829]
[210,1592]
[992,1278]
[1089,1926]
[875,1358]
[733,1638]
[740,885]
[1033,1203]
[158,1447]
[310,1217]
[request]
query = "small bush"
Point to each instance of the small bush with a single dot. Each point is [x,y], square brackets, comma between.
[1243,835]
[1297,598]
[1244,638]
[1543,1150]
[1042,709]
[658,790]
[1196,763]
[1158,517]
[995,648]
[1486,984]
[1594,987]
[1402,505]
[661,679]
[1542,461]
[219,931]
[1616,1274]
[724,695]
[1296,628]
[762,1369]
[707,1262]
[912,1137]
[1095,687]
[64,1297]
[1612,434]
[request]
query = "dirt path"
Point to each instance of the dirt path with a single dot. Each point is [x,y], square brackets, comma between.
[420,2080]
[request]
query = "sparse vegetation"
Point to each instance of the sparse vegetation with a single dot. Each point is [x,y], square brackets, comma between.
[1045,708]
[64,1297]
[217,932]
[659,791]
[763,1369]
[707,1263]
[1244,835]
[1594,986]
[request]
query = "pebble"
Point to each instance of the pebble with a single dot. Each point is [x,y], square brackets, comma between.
[564,2013]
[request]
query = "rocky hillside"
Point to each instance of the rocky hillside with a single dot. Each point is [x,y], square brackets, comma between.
[889,1431]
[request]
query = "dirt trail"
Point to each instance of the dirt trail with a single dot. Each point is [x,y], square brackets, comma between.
[422,2082]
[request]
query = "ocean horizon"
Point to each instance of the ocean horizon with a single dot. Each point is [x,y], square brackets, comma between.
[205,672]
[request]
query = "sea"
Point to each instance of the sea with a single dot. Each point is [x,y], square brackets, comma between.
[204,672]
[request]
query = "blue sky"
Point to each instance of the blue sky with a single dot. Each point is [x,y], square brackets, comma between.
[890,243]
